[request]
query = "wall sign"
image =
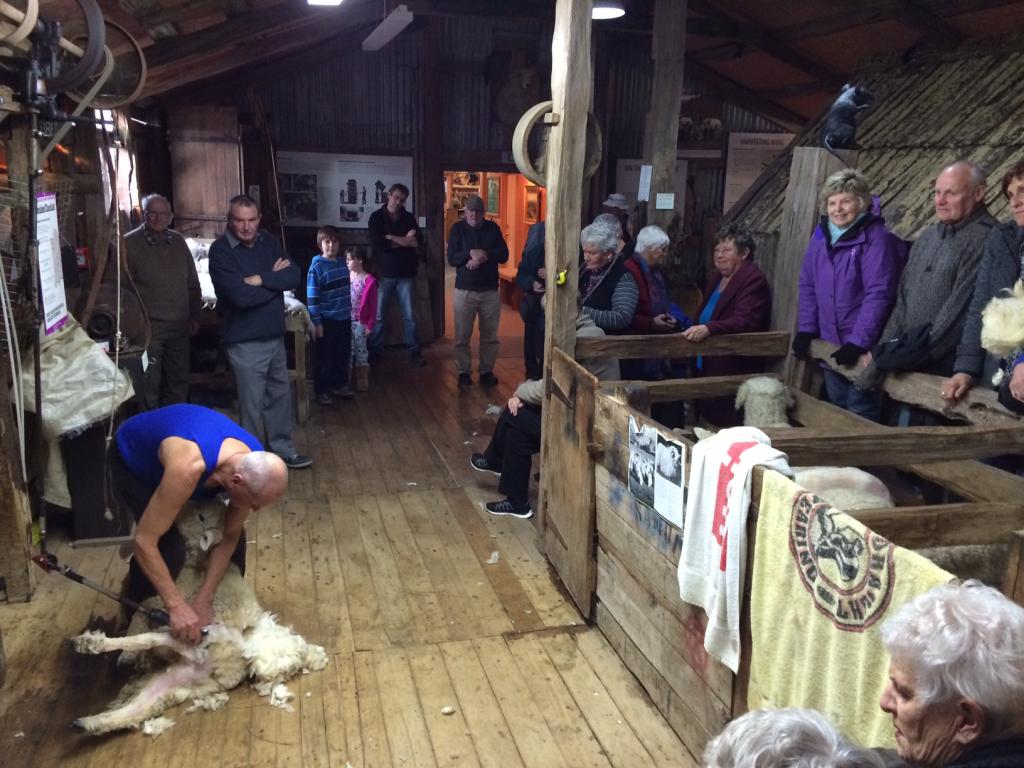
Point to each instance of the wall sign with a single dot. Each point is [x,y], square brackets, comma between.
[51,271]
[318,188]
[749,155]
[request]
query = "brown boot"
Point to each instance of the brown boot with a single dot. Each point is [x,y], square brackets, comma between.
[362,373]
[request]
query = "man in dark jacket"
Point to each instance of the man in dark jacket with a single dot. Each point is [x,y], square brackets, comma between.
[395,239]
[476,247]
[250,273]
[531,278]
[936,285]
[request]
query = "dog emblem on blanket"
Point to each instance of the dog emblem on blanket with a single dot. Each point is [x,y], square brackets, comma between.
[244,642]
[846,568]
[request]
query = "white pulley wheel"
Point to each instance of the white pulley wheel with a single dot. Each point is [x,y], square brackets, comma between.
[521,144]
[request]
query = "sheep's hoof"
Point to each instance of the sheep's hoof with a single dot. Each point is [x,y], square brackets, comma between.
[91,642]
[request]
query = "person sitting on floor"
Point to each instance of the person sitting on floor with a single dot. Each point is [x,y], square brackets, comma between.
[517,434]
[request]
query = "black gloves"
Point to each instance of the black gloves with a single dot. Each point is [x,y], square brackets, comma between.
[848,354]
[802,344]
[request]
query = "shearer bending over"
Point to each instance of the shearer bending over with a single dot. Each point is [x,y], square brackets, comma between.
[158,461]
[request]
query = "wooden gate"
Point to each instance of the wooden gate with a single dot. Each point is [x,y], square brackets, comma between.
[568,516]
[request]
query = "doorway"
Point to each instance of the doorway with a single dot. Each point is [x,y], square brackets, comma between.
[513,203]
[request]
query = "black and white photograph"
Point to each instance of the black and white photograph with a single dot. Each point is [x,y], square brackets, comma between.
[642,446]
[669,494]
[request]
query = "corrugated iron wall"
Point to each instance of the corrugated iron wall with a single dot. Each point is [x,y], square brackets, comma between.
[355,102]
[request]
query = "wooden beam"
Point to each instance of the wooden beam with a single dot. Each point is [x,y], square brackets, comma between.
[767,344]
[571,86]
[809,168]
[767,42]
[980,406]
[887,446]
[969,479]
[922,19]
[1013,580]
[733,91]
[671,390]
[944,525]
[668,50]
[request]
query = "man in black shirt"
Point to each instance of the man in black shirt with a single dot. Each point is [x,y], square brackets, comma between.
[395,239]
[476,247]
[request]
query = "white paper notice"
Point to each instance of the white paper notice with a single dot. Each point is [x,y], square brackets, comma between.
[656,471]
[644,192]
[51,274]
[665,201]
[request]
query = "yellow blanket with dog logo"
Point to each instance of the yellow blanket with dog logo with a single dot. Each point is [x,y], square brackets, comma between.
[822,585]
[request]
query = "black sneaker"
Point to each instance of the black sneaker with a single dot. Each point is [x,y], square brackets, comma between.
[345,393]
[417,360]
[324,400]
[488,380]
[508,509]
[479,462]
[298,461]
[465,380]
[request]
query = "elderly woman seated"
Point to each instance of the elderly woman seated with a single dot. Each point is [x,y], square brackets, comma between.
[785,738]
[956,678]
[608,294]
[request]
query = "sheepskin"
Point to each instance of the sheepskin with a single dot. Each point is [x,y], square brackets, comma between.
[244,642]
[1002,322]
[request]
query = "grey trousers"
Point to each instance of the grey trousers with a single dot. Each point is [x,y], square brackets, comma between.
[264,392]
[168,372]
[467,305]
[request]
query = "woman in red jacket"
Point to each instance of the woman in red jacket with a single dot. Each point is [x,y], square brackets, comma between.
[737,300]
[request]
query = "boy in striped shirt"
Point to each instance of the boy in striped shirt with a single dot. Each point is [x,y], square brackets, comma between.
[330,308]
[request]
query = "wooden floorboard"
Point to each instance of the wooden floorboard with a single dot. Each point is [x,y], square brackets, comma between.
[426,605]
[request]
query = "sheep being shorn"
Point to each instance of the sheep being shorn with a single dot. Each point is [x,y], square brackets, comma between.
[244,642]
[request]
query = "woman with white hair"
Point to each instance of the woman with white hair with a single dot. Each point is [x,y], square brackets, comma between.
[956,678]
[608,294]
[848,284]
[785,738]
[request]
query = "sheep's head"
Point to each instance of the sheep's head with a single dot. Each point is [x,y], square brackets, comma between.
[764,401]
[201,524]
[1002,322]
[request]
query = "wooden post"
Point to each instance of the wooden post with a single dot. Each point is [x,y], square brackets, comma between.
[811,166]
[571,86]
[16,569]
[429,196]
[668,49]
[1013,580]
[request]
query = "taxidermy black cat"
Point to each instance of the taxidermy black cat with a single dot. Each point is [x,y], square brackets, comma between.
[840,128]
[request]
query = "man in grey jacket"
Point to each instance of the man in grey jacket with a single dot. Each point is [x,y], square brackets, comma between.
[937,283]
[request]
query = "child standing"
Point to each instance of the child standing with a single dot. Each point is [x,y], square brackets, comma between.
[364,312]
[330,309]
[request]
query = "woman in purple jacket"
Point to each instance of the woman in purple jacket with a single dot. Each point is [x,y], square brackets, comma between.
[848,284]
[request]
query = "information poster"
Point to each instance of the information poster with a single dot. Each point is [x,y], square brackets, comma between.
[51,273]
[656,471]
[318,188]
[628,181]
[750,154]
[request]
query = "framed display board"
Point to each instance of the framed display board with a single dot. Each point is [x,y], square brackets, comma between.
[319,188]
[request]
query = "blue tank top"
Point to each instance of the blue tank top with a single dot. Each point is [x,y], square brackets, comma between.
[138,440]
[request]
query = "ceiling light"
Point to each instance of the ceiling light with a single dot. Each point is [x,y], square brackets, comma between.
[607,9]
[323,2]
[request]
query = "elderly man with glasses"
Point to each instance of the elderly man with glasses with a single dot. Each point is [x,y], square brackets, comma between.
[164,272]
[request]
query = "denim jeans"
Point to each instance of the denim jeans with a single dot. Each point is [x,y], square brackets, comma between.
[842,393]
[387,288]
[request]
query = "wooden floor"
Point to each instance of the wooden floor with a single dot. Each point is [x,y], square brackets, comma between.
[382,554]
